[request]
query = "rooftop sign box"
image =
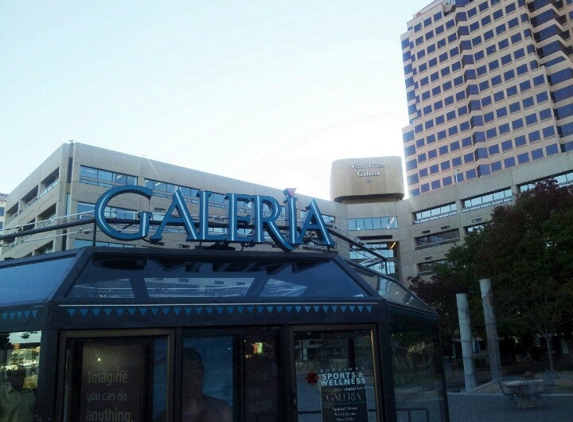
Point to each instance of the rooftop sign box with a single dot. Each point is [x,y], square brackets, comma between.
[198,230]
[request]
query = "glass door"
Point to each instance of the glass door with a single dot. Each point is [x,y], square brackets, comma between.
[232,375]
[335,379]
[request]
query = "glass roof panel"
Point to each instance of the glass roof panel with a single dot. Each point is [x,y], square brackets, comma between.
[198,286]
[144,278]
[394,292]
[325,280]
[390,289]
[32,282]
[119,288]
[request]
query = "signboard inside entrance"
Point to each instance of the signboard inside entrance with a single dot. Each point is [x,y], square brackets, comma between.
[343,393]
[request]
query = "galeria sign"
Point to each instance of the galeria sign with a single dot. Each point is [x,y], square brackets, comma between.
[197,231]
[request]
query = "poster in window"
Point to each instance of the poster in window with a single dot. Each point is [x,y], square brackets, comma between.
[111,382]
[261,379]
[343,394]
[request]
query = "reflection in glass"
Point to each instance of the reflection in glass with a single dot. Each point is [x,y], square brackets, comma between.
[19,365]
[196,405]
[142,278]
[416,364]
[231,376]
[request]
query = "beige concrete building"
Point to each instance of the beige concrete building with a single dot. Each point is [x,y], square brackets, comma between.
[64,190]
[372,225]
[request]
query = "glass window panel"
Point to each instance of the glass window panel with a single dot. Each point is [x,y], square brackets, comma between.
[414,387]
[33,282]
[335,375]
[105,175]
[88,172]
[109,379]
[19,368]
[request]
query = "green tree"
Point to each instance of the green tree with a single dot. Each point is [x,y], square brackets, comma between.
[526,249]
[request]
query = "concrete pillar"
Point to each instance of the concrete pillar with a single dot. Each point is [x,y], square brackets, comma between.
[466,338]
[490,328]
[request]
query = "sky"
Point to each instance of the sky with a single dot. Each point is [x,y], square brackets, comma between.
[265,91]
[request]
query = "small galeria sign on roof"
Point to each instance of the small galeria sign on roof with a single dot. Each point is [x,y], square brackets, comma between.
[263,219]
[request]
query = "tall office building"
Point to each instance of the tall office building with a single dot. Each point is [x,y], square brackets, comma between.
[489,86]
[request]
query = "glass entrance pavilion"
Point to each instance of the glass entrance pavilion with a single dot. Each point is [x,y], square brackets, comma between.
[142,335]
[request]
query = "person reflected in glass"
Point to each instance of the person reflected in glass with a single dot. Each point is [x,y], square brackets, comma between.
[197,406]
[17,403]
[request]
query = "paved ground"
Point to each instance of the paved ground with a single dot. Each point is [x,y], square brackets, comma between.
[496,408]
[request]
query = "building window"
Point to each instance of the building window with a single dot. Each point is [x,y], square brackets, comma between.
[491,133]
[516,38]
[537,153]
[548,132]
[426,268]
[531,119]
[483,170]
[539,80]
[437,239]
[560,76]
[501,112]
[534,136]
[487,200]
[520,141]
[435,213]
[105,178]
[166,190]
[372,223]
[528,102]
[503,44]
[496,166]
[524,86]
[86,210]
[493,149]
[564,179]
[504,128]
[523,158]
[517,124]
[509,162]
[552,149]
